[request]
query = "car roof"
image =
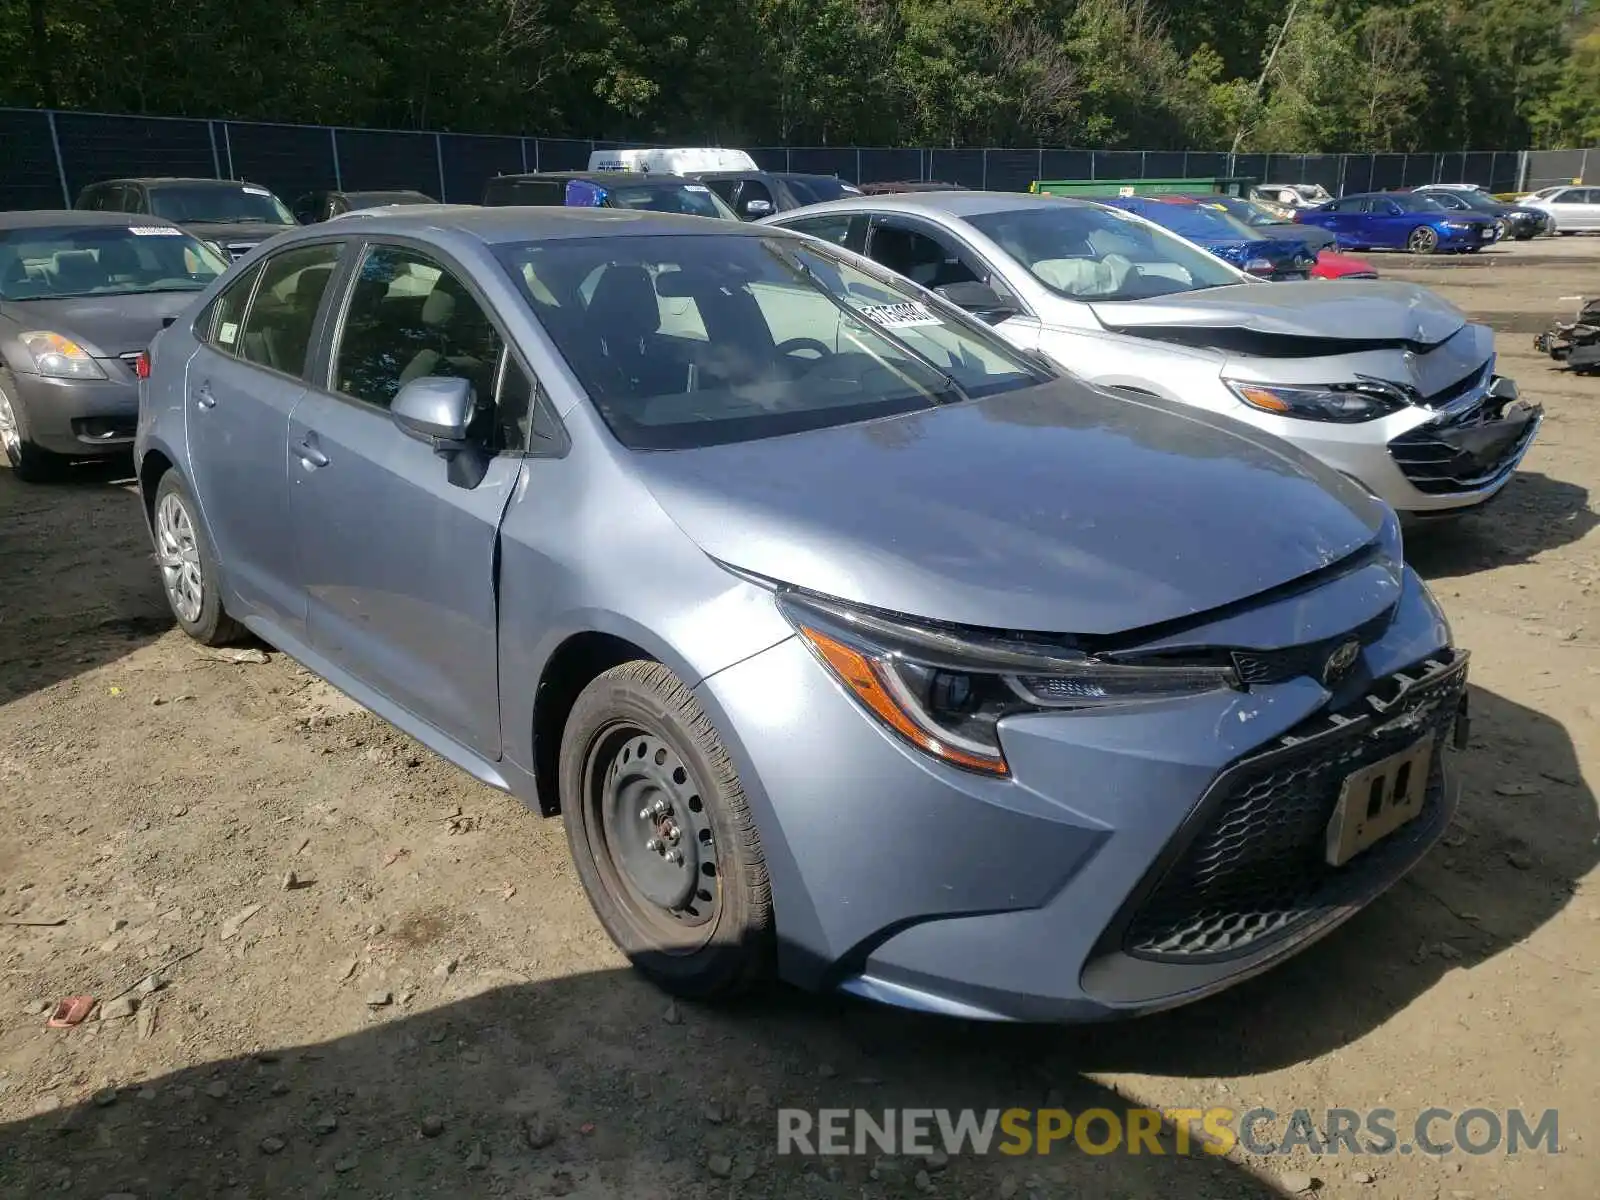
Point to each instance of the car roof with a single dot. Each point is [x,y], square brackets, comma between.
[149,179]
[527,223]
[629,177]
[55,218]
[954,204]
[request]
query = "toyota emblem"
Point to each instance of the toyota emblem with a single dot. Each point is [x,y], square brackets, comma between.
[1340,662]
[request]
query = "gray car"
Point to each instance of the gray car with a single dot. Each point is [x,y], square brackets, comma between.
[81,295]
[853,645]
[1385,382]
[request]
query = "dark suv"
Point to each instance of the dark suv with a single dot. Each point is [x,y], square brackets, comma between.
[607,189]
[757,194]
[324,206]
[232,215]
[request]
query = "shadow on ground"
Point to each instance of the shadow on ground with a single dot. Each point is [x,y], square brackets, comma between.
[1533,515]
[78,582]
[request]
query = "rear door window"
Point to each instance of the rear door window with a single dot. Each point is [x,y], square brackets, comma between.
[278,327]
[221,326]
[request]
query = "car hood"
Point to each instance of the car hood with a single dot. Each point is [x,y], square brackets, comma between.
[235,231]
[105,326]
[1058,508]
[1384,312]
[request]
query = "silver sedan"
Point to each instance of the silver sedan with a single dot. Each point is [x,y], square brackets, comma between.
[1385,382]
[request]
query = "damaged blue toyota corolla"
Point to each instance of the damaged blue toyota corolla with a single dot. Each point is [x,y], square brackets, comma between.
[854,646]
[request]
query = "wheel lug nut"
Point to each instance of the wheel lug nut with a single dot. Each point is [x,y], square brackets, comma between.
[661,808]
[654,844]
[672,833]
[645,814]
[676,858]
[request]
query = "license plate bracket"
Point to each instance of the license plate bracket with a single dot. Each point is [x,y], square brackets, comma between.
[1377,800]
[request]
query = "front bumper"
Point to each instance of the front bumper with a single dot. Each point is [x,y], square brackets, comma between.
[1424,461]
[83,417]
[902,880]
[1467,239]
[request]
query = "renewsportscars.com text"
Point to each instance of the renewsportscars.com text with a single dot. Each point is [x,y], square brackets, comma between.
[1261,1131]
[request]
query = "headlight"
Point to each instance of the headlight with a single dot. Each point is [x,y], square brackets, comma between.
[1343,403]
[946,690]
[58,357]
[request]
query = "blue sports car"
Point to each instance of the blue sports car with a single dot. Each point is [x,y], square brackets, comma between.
[1224,236]
[1400,221]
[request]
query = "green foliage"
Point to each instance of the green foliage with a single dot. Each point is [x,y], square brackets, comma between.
[1263,74]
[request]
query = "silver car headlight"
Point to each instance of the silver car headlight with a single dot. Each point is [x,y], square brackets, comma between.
[58,357]
[1341,403]
[945,690]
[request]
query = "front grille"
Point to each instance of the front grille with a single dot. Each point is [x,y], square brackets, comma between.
[1256,667]
[1253,869]
[1438,466]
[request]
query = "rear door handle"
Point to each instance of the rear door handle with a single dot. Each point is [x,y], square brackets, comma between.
[203,396]
[310,455]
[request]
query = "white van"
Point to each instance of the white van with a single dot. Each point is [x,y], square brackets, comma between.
[673,161]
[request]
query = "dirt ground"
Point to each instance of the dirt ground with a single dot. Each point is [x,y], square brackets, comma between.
[430,1009]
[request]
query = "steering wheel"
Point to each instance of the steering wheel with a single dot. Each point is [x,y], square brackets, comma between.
[803,343]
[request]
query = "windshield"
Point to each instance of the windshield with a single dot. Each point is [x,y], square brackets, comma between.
[1415,202]
[819,191]
[689,341]
[380,199]
[218,204]
[103,260]
[1248,212]
[1473,200]
[1094,253]
[1195,221]
[693,199]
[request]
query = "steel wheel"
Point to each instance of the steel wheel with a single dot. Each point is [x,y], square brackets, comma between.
[10,431]
[178,555]
[1422,240]
[659,849]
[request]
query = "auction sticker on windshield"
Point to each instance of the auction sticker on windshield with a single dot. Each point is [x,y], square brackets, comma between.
[155,231]
[906,315]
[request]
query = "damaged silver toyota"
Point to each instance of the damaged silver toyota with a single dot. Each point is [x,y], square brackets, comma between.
[1384,382]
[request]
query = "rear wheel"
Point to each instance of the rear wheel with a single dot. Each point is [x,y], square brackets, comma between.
[188,567]
[1422,240]
[28,462]
[662,836]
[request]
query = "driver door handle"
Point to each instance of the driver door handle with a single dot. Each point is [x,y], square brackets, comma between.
[310,455]
[203,396]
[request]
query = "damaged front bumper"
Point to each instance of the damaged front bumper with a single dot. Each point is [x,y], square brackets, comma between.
[1470,451]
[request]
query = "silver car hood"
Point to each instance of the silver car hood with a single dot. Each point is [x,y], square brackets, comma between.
[1369,311]
[1056,509]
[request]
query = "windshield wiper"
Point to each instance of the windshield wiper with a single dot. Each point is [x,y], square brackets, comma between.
[951,385]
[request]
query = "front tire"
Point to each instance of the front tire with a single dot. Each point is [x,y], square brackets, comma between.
[28,462]
[188,566]
[1422,240]
[662,835]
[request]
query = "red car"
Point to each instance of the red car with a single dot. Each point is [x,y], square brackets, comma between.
[1341,266]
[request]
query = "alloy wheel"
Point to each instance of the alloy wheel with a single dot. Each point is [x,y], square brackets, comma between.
[10,431]
[1422,240]
[660,851]
[178,555]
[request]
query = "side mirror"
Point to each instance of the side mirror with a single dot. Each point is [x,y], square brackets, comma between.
[434,409]
[438,410]
[757,208]
[979,299]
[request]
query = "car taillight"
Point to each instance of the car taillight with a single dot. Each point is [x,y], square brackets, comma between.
[141,365]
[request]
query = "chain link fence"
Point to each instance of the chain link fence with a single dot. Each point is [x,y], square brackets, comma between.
[51,156]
